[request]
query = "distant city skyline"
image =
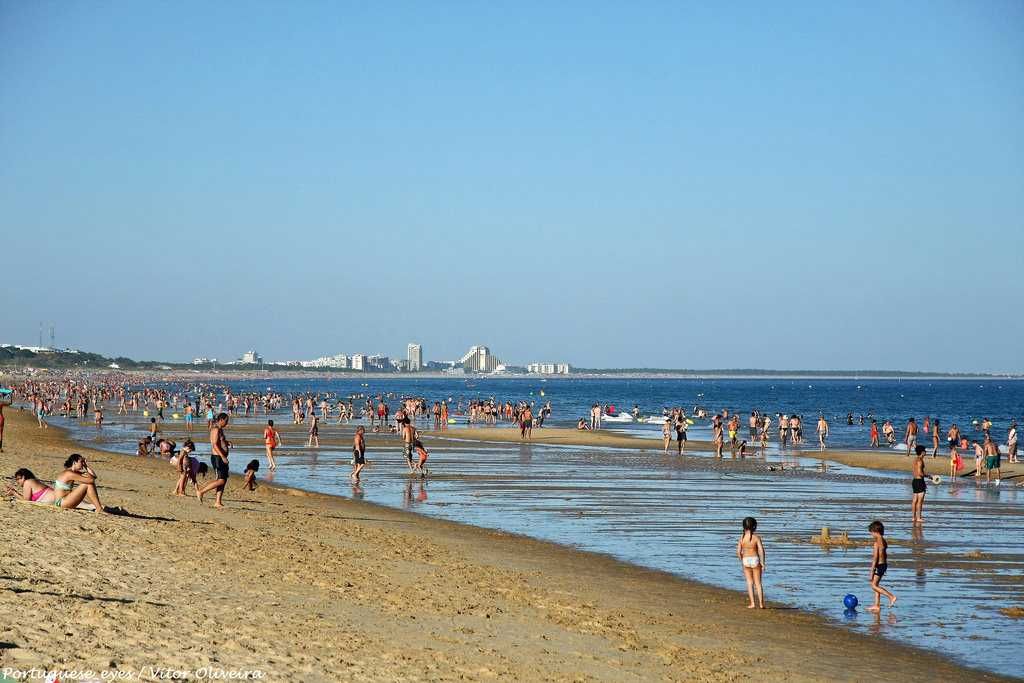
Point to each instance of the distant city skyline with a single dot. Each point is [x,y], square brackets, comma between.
[791,185]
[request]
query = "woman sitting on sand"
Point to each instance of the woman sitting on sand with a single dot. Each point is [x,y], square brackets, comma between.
[30,489]
[76,483]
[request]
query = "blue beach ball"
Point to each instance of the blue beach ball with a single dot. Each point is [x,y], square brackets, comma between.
[850,601]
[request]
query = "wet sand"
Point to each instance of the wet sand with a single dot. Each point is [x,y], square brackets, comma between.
[880,459]
[303,585]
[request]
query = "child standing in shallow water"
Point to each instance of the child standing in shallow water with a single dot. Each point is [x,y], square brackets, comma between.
[879,565]
[750,552]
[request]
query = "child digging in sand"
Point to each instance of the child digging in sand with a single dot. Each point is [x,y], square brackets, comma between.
[187,467]
[249,483]
[879,565]
[750,551]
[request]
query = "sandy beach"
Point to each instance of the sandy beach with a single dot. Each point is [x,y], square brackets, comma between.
[299,585]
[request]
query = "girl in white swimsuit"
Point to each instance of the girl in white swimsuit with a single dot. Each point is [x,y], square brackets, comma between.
[750,551]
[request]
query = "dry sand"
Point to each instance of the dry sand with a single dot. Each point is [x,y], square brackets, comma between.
[308,587]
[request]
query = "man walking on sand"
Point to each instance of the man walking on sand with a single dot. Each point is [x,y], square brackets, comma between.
[220,445]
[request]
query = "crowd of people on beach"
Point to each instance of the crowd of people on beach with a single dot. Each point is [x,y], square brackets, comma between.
[76,487]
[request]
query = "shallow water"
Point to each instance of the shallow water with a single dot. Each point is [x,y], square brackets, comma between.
[960,401]
[683,516]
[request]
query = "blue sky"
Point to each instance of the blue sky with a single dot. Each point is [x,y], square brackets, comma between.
[784,185]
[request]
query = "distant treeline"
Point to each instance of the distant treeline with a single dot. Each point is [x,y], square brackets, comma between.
[60,360]
[65,359]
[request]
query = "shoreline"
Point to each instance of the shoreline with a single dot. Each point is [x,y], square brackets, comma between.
[518,606]
[881,459]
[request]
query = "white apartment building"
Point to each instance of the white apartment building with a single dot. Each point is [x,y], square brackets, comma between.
[479,359]
[548,368]
[250,358]
[338,361]
[415,357]
[358,361]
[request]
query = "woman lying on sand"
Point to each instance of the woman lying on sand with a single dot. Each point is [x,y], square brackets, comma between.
[30,489]
[76,483]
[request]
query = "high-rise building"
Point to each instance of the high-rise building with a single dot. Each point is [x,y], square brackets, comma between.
[415,357]
[479,359]
[358,361]
[251,358]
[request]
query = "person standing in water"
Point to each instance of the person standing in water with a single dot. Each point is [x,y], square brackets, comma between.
[1011,439]
[408,442]
[681,427]
[718,438]
[992,459]
[526,423]
[314,433]
[271,440]
[911,436]
[935,438]
[750,551]
[358,453]
[879,565]
[822,432]
[918,485]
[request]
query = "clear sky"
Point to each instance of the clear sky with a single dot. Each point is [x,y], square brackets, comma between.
[812,185]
